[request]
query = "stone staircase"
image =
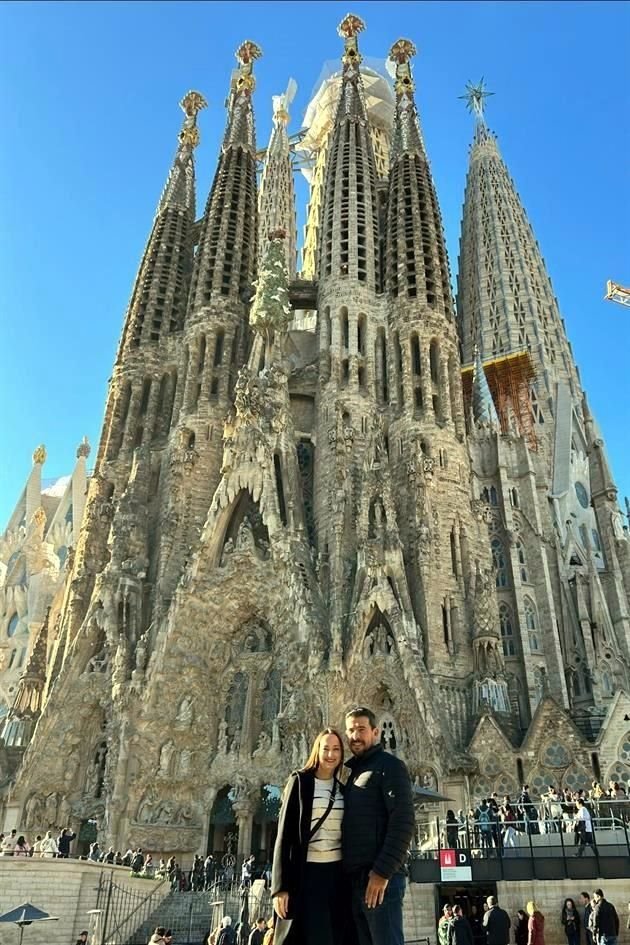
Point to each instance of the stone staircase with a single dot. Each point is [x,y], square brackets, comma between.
[188,914]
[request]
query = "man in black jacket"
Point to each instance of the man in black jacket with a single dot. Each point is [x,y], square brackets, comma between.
[378,827]
[604,921]
[497,923]
[459,930]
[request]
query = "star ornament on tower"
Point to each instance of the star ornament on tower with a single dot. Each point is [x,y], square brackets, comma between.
[475,98]
[248,52]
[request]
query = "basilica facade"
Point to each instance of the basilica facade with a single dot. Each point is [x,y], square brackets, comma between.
[321,489]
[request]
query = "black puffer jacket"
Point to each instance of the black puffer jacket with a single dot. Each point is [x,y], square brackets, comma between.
[378,818]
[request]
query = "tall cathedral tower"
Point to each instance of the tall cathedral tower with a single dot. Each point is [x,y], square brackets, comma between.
[540,469]
[289,515]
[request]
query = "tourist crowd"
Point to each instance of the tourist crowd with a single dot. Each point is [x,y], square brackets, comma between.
[598,920]
[495,824]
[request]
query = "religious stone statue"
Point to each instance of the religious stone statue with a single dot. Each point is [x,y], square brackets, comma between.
[184,713]
[222,744]
[33,812]
[146,808]
[236,742]
[65,812]
[263,744]
[183,766]
[166,757]
[51,810]
[368,645]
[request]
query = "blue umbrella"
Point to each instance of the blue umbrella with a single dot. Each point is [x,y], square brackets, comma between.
[25,915]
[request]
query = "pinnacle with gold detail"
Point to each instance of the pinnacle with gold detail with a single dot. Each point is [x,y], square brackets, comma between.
[39,455]
[191,105]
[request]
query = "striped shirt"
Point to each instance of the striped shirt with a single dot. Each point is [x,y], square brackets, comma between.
[325,845]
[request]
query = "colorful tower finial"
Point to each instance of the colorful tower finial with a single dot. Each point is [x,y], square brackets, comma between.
[39,455]
[191,105]
[401,52]
[475,97]
[349,29]
[246,54]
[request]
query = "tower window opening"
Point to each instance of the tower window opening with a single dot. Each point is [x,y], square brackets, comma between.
[218,347]
[415,356]
[280,488]
[345,328]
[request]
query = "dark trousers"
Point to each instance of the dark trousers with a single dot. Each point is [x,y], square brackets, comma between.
[384,924]
[321,910]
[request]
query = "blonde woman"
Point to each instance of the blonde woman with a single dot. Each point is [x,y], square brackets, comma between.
[306,880]
[535,925]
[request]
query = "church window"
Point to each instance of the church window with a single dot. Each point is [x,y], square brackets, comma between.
[388,734]
[507,631]
[494,496]
[345,371]
[68,517]
[520,551]
[582,495]
[12,625]
[218,347]
[584,536]
[446,625]
[514,498]
[62,554]
[345,328]
[500,565]
[12,659]
[415,356]
[280,488]
[399,368]
[453,552]
[597,545]
[361,332]
[531,622]
[434,360]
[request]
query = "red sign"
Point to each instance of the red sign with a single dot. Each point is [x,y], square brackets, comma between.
[455,866]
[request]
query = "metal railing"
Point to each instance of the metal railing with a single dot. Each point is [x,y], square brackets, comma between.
[529,848]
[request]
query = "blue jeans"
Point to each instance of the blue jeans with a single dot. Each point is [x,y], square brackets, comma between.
[384,924]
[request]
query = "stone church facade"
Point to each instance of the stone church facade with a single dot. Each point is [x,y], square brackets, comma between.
[316,492]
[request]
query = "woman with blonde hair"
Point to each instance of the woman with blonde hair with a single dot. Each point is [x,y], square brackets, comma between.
[535,925]
[306,878]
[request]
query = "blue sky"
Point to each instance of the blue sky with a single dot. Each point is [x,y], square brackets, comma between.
[90,120]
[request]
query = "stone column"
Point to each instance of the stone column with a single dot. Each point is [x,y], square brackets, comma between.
[244,812]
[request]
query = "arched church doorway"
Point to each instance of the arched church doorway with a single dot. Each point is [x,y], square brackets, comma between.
[223,832]
[265,826]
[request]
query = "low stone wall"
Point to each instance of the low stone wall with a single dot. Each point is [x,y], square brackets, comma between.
[65,888]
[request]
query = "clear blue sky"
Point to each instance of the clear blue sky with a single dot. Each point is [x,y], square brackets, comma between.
[89,126]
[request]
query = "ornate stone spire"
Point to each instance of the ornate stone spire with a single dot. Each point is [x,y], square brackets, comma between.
[505,299]
[27,704]
[180,187]
[484,411]
[225,263]
[277,194]
[349,230]
[407,136]
[416,260]
[158,301]
[240,125]
[271,312]
[84,449]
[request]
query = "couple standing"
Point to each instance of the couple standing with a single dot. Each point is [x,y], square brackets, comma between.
[338,866]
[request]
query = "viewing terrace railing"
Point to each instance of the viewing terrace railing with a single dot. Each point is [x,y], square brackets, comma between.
[542,849]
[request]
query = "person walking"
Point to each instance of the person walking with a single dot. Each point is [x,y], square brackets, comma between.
[459,930]
[584,824]
[535,925]
[571,922]
[496,922]
[604,921]
[520,927]
[306,877]
[377,832]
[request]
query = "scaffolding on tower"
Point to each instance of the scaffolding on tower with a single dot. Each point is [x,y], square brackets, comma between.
[510,378]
